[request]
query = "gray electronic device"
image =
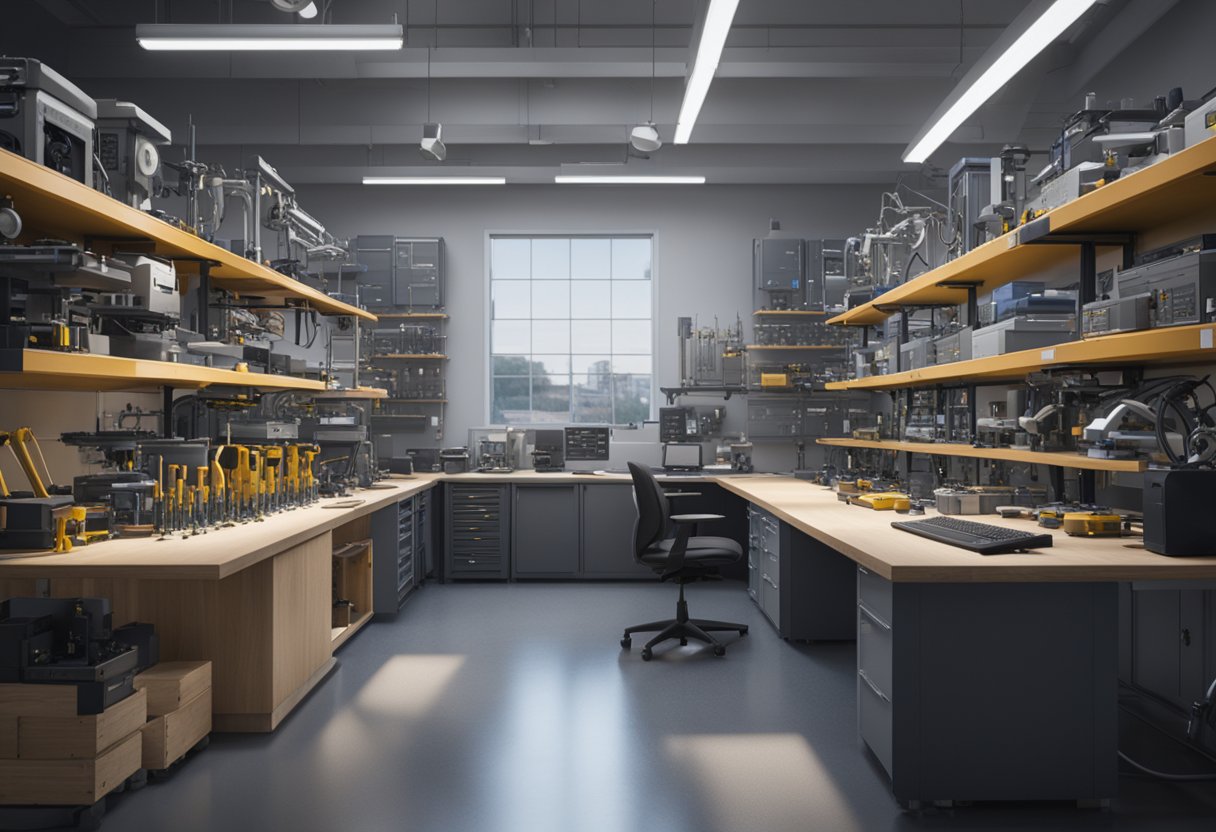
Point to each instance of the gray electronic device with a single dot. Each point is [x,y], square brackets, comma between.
[418,272]
[1105,317]
[969,192]
[1181,280]
[682,456]
[153,286]
[779,267]
[549,450]
[1022,332]
[128,142]
[917,353]
[46,118]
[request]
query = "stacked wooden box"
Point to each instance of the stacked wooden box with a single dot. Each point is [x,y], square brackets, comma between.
[52,756]
[179,710]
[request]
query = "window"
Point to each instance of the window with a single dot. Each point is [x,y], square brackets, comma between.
[570,329]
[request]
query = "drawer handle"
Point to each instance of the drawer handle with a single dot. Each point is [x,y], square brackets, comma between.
[873,617]
[764,577]
[873,686]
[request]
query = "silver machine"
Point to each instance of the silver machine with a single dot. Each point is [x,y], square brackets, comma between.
[710,356]
[46,118]
[128,148]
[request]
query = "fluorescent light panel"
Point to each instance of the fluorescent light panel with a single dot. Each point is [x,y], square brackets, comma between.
[629,180]
[1050,25]
[434,180]
[709,51]
[191,37]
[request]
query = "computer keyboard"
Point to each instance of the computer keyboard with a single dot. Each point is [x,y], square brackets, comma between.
[978,537]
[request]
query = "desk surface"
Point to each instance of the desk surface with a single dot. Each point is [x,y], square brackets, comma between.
[216,554]
[866,537]
[860,534]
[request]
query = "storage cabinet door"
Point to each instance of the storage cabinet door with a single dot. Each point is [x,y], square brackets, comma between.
[608,519]
[545,531]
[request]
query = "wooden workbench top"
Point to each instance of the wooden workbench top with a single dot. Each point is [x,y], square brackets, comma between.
[218,553]
[866,537]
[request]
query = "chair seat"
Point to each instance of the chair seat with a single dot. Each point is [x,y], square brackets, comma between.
[702,551]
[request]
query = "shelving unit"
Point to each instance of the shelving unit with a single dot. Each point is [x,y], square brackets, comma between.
[357,394]
[54,205]
[28,369]
[788,313]
[1178,186]
[1059,459]
[413,316]
[1173,345]
[759,347]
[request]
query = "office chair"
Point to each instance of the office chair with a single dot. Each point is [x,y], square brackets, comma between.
[682,559]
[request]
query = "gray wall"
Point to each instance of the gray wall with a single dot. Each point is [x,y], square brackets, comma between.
[702,254]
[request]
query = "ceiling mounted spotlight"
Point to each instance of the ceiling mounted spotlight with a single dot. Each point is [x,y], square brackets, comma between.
[294,7]
[432,145]
[309,11]
[645,138]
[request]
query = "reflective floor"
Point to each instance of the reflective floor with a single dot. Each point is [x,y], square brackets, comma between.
[511,708]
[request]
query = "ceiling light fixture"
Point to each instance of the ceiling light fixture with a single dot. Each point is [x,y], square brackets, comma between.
[263,37]
[434,180]
[972,92]
[309,11]
[709,51]
[628,180]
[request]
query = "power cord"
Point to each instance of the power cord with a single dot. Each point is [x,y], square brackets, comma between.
[1201,712]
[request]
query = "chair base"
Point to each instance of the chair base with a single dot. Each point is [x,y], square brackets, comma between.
[683,628]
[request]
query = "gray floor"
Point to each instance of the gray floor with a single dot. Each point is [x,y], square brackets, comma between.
[510,708]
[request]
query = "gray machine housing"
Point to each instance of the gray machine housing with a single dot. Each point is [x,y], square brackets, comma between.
[1105,317]
[127,141]
[401,271]
[779,266]
[46,118]
[1183,288]
[1021,333]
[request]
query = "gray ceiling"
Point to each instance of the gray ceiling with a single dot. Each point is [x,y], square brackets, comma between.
[808,91]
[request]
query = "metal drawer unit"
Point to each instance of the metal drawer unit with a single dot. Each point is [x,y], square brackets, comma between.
[754,552]
[875,672]
[405,548]
[477,531]
[423,551]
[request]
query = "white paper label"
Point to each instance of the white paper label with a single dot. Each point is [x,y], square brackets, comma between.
[1047,355]
[1205,339]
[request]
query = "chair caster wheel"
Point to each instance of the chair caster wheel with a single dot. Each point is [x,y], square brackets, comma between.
[626,643]
[646,654]
[683,642]
[719,650]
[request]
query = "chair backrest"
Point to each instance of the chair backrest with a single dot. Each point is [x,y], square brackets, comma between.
[653,511]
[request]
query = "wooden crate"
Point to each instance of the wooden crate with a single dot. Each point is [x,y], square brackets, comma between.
[168,737]
[80,737]
[170,685]
[21,699]
[69,782]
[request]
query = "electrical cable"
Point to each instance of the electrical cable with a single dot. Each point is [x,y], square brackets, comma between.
[1162,775]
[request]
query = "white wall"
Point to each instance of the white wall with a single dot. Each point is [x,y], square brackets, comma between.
[702,256]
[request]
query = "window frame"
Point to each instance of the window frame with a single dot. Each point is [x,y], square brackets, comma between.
[487,295]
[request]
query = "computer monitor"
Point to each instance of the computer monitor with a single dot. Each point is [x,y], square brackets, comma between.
[682,456]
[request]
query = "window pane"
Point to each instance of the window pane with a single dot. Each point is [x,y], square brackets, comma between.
[551,398]
[639,364]
[590,299]
[592,369]
[552,336]
[510,365]
[510,258]
[550,259]
[591,259]
[511,398]
[551,364]
[551,298]
[631,299]
[510,337]
[631,337]
[510,299]
[591,398]
[591,336]
[631,259]
[631,398]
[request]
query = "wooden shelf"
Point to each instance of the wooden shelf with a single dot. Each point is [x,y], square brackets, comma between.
[1059,459]
[1177,187]
[411,356]
[1178,345]
[358,393]
[789,313]
[416,401]
[756,347]
[51,370]
[416,316]
[54,205]
[341,635]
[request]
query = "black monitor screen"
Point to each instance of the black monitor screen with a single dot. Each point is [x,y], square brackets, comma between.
[587,444]
[681,456]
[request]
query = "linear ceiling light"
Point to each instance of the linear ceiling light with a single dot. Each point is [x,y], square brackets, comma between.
[434,180]
[1053,22]
[629,180]
[276,37]
[709,51]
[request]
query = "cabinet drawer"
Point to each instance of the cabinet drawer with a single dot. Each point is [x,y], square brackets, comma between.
[875,640]
[876,594]
[475,512]
[462,496]
[770,597]
[465,564]
[875,720]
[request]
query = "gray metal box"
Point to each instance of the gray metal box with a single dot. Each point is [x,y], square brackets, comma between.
[1020,333]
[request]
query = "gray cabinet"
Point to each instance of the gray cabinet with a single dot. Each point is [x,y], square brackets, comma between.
[962,696]
[545,531]
[400,535]
[477,532]
[608,518]
[802,586]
